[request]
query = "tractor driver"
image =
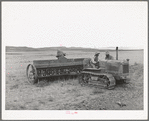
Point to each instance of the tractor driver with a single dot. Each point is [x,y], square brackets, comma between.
[108,56]
[95,62]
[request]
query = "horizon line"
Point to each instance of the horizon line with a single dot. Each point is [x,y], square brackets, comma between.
[138,48]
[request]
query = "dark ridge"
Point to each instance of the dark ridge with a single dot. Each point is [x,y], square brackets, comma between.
[29,49]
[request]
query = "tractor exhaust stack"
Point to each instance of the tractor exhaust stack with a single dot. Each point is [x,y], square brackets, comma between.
[116,53]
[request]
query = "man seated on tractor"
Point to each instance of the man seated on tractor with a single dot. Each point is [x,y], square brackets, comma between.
[108,56]
[95,62]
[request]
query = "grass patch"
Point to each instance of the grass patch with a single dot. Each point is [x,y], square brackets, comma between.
[42,83]
[51,98]
[14,87]
[97,91]
[15,107]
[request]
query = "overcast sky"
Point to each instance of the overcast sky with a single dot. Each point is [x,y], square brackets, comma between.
[77,24]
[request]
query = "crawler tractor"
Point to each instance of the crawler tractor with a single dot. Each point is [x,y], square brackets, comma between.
[108,75]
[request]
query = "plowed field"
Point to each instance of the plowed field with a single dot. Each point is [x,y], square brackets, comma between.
[69,94]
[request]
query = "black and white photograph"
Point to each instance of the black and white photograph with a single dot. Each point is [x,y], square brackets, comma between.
[74,60]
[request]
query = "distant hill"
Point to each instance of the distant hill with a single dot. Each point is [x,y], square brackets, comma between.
[29,49]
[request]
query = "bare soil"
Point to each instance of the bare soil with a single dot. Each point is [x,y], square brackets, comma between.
[68,94]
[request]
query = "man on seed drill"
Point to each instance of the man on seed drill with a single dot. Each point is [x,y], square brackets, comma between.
[60,54]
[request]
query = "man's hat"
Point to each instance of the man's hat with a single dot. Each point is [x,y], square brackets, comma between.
[60,53]
[97,53]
